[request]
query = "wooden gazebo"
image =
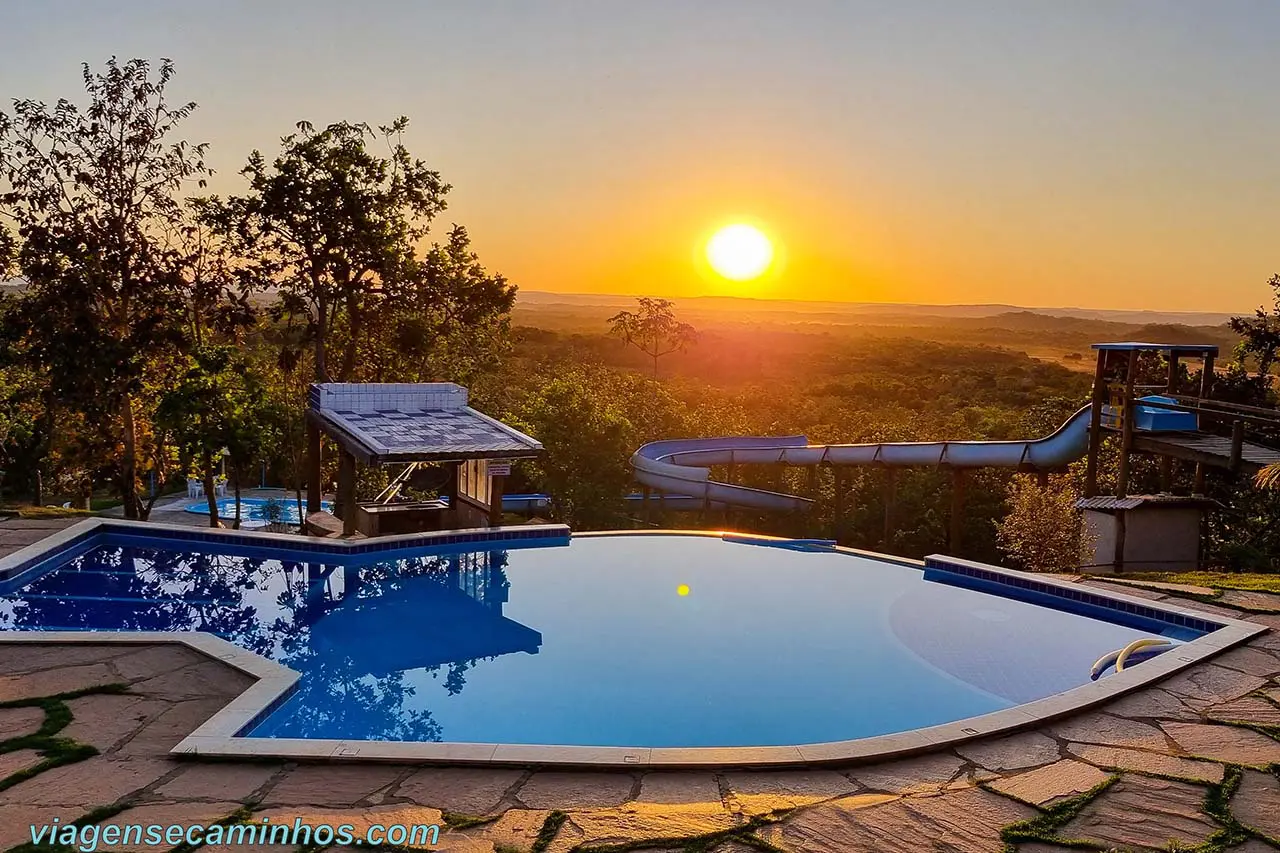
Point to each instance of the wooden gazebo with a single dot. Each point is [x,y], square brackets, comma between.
[387,424]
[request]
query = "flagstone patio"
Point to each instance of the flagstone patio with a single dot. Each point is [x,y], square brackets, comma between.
[1190,764]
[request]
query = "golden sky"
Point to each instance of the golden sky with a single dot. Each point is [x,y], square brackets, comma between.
[1034,153]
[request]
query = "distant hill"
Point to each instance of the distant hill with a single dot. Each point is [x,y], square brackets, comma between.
[832,311]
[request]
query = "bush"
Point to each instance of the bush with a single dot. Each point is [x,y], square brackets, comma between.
[1043,531]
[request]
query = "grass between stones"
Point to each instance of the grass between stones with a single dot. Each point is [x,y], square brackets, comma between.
[457,820]
[54,751]
[743,835]
[1044,826]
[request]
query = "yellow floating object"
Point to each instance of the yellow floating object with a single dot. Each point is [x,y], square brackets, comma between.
[1133,647]
[682,589]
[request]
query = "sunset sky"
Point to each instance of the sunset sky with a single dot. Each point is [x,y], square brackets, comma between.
[1099,154]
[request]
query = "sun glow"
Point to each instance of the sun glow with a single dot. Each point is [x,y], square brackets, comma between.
[739,252]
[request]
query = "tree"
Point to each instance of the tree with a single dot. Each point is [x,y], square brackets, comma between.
[1043,531]
[587,441]
[653,329]
[447,317]
[92,193]
[1260,334]
[217,404]
[333,227]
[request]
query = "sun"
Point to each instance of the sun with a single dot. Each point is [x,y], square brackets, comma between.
[739,252]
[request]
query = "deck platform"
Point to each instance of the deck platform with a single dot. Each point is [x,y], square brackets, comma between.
[1205,448]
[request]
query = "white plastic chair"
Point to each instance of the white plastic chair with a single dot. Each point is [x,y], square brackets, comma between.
[195,488]
[220,488]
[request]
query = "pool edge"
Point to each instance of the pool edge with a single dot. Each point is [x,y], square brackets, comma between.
[216,738]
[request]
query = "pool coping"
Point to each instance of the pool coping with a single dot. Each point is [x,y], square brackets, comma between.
[217,738]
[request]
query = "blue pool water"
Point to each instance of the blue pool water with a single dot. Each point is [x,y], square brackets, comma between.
[622,640]
[257,509]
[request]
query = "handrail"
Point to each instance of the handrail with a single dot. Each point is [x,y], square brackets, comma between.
[1244,413]
[1120,657]
[1134,646]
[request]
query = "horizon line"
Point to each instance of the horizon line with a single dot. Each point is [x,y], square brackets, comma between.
[763,299]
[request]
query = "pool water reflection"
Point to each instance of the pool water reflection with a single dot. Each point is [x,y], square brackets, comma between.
[610,641]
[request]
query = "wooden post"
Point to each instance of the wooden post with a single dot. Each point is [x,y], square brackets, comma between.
[954,544]
[728,474]
[347,491]
[890,498]
[496,486]
[315,489]
[1042,479]
[1237,446]
[1206,389]
[646,495]
[1206,378]
[1171,387]
[1126,424]
[1095,425]
[812,483]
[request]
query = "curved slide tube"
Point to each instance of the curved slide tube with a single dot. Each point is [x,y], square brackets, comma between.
[680,466]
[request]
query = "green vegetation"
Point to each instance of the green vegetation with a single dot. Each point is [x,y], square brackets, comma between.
[152,328]
[1217,581]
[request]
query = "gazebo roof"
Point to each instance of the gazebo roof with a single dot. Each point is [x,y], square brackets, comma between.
[382,423]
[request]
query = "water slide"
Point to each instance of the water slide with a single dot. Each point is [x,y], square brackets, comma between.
[681,466]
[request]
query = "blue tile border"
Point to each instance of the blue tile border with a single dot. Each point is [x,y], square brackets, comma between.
[1071,597]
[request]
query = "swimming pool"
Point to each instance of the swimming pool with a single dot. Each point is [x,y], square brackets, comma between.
[258,509]
[643,642]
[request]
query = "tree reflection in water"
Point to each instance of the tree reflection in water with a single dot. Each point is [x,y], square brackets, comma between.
[355,632]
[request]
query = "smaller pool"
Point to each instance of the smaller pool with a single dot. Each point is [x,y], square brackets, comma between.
[258,509]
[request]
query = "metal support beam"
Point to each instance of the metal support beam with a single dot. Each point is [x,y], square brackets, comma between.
[890,498]
[838,503]
[954,543]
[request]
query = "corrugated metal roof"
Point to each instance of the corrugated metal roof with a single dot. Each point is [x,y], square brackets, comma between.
[406,423]
[1109,502]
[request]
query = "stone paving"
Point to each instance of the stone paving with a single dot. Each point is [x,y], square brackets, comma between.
[1190,764]
[18,533]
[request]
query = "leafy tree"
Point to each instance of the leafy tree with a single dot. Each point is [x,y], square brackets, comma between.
[1042,531]
[333,227]
[216,404]
[587,442]
[447,317]
[1260,334]
[93,192]
[653,329]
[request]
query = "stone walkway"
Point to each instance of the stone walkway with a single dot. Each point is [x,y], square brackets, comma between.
[1191,764]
